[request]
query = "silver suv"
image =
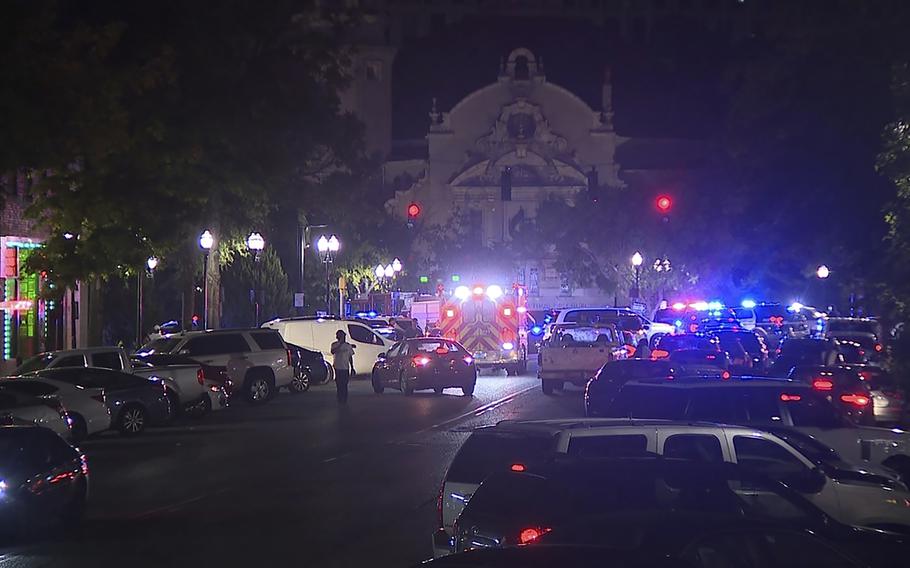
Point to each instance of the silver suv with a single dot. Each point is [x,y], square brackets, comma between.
[257,360]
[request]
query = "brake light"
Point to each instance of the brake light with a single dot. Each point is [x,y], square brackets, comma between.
[519,467]
[878,347]
[441,350]
[659,354]
[290,364]
[693,327]
[823,384]
[790,397]
[725,375]
[865,375]
[857,399]
[421,361]
[531,534]
[710,357]
[200,376]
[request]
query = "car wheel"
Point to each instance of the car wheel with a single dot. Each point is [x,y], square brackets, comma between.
[511,371]
[378,387]
[202,407]
[547,386]
[438,390]
[78,427]
[258,389]
[329,374]
[468,389]
[132,420]
[404,386]
[300,383]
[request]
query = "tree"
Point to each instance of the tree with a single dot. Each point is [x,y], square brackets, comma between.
[243,278]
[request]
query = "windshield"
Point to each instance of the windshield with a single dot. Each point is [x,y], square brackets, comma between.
[765,313]
[853,326]
[36,363]
[162,345]
[676,342]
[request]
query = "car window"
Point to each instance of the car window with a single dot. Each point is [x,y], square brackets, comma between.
[808,410]
[453,347]
[71,361]
[267,339]
[32,388]
[485,453]
[716,405]
[36,363]
[617,446]
[766,457]
[160,345]
[362,334]
[395,350]
[426,346]
[636,401]
[762,406]
[217,344]
[697,447]
[109,360]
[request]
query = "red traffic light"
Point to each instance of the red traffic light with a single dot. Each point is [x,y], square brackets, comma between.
[664,203]
[413,210]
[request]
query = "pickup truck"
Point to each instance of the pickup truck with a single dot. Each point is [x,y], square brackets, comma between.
[185,382]
[575,353]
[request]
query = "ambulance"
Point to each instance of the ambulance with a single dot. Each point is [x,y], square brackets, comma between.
[490,321]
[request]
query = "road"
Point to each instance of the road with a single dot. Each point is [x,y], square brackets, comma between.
[298,481]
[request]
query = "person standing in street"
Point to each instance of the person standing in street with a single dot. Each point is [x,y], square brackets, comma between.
[343,361]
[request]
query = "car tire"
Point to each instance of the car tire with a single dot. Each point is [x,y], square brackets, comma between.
[468,389]
[511,371]
[329,374]
[547,386]
[404,386]
[202,407]
[259,388]
[378,387]
[132,420]
[78,427]
[300,383]
[438,390]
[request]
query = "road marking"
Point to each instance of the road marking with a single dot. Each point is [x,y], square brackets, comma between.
[479,410]
[173,506]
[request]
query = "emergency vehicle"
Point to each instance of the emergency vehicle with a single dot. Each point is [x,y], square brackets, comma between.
[489,320]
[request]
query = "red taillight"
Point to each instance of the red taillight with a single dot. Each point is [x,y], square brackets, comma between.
[865,375]
[659,354]
[519,467]
[878,347]
[421,361]
[823,384]
[857,399]
[531,534]
[290,364]
[693,327]
[200,376]
[442,351]
[725,375]
[790,397]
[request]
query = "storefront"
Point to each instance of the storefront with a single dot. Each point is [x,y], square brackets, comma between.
[29,321]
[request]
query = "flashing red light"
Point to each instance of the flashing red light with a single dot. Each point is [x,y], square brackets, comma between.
[857,399]
[878,347]
[507,312]
[664,203]
[413,210]
[421,361]
[531,534]
[823,384]
[659,354]
[725,375]
[790,397]
[519,467]
[693,327]
[450,313]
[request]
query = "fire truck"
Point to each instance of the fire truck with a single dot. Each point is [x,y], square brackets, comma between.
[490,321]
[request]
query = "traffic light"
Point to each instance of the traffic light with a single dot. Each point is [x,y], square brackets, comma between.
[413,213]
[664,203]
[505,183]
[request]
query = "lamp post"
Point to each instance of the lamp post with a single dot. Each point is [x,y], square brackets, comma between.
[328,248]
[150,265]
[637,261]
[206,242]
[256,243]
[823,272]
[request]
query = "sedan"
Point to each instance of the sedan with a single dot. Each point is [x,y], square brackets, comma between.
[17,408]
[134,402]
[843,386]
[425,363]
[85,407]
[44,480]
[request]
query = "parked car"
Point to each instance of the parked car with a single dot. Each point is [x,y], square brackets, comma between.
[751,342]
[85,408]
[184,378]
[806,351]
[309,364]
[847,328]
[712,357]
[134,402]
[260,359]
[319,334]
[43,480]
[709,514]
[669,343]
[764,403]
[622,318]
[425,363]
[17,407]
[843,386]
[888,398]
[861,349]
[102,357]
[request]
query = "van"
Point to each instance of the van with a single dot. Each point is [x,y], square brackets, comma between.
[319,334]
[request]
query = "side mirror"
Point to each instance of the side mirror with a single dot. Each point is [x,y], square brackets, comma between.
[810,481]
[382,356]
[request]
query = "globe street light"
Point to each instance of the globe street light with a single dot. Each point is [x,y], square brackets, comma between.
[389,271]
[379,272]
[256,243]
[637,261]
[327,248]
[823,272]
[151,263]
[396,265]
[206,242]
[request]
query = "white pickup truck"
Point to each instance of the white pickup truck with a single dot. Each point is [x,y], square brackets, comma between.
[575,353]
[185,382]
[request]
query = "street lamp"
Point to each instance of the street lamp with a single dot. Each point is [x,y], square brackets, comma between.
[379,272]
[396,265]
[256,243]
[389,271]
[206,242]
[823,272]
[328,247]
[637,261]
[151,263]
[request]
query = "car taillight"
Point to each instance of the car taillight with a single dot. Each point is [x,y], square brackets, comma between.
[823,384]
[865,375]
[519,467]
[200,376]
[790,397]
[659,354]
[725,375]
[878,347]
[531,534]
[289,358]
[421,361]
[693,327]
[442,351]
[856,399]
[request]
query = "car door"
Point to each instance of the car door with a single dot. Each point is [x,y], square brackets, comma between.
[385,368]
[367,346]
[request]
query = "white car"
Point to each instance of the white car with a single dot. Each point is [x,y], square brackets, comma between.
[319,334]
[624,318]
[85,408]
[260,358]
[17,408]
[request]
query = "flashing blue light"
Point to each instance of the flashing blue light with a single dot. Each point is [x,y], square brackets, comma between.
[536,330]
[699,306]
[547,319]
[361,314]
[715,305]
[748,304]
[372,314]
[678,323]
[795,307]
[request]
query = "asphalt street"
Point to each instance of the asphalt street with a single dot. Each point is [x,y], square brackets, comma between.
[298,481]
